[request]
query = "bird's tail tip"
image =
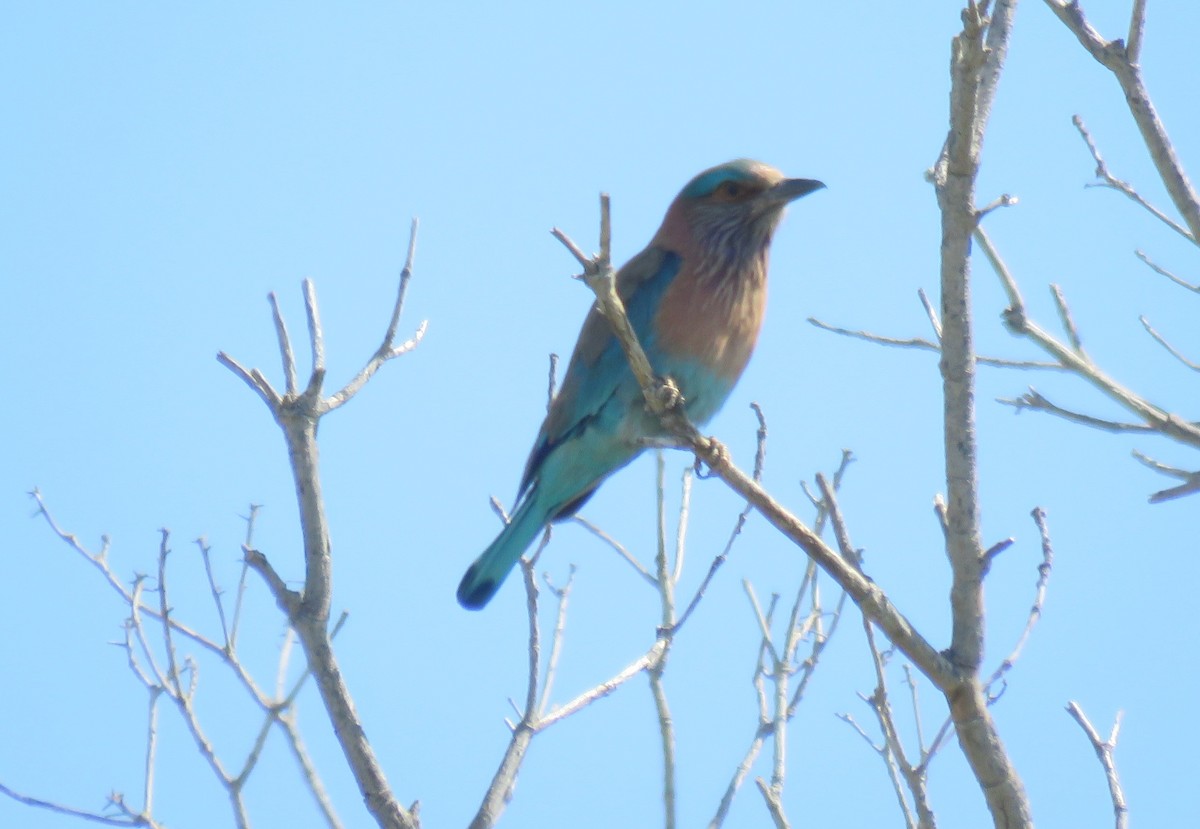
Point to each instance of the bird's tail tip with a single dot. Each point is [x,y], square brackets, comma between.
[476,590]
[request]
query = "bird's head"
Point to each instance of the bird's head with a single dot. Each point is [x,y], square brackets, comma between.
[739,202]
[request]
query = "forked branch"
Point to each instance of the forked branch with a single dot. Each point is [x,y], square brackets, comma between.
[308,610]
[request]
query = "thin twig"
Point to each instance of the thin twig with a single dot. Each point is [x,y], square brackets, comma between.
[617,546]
[129,818]
[928,345]
[1183,283]
[1190,486]
[763,627]
[642,663]
[556,641]
[666,591]
[1068,322]
[206,557]
[760,455]
[930,312]
[1159,466]
[151,751]
[681,524]
[1003,200]
[100,562]
[252,378]
[1105,751]
[1161,340]
[535,647]
[286,355]
[386,350]
[1035,401]
[1107,179]
[247,543]
[316,338]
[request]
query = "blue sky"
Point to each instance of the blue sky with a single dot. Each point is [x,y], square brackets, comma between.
[165,168]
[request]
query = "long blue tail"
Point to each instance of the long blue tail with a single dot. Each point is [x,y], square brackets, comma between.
[486,574]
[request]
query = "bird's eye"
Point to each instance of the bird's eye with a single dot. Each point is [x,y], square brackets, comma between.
[731,190]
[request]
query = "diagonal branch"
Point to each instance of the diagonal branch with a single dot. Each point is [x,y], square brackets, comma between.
[308,611]
[127,818]
[1107,179]
[100,562]
[387,349]
[922,344]
[1183,283]
[1034,401]
[1122,61]
[1018,322]
[1105,751]
[662,398]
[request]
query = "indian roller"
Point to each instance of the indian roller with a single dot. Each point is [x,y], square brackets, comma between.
[695,297]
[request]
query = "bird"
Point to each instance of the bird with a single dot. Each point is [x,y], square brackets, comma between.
[695,297]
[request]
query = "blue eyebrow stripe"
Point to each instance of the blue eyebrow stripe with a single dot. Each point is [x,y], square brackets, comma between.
[706,184]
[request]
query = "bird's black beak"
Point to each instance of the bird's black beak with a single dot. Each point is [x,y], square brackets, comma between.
[791,189]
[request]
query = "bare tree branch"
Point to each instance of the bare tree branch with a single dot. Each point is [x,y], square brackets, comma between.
[617,546]
[739,524]
[663,399]
[285,345]
[665,578]
[1122,61]
[1017,321]
[1068,322]
[1035,401]
[1161,340]
[247,544]
[1105,751]
[774,805]
[921,344]
[976,55]
[1039,597]
[387,350]
[805,623]
[308,611]
[99,560]
[126,818]
[1183,283]
[1107,179]
[1191,479]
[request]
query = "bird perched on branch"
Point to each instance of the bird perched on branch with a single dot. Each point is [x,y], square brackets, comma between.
[695,298]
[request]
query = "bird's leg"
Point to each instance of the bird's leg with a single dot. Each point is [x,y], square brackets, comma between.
[662,442]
